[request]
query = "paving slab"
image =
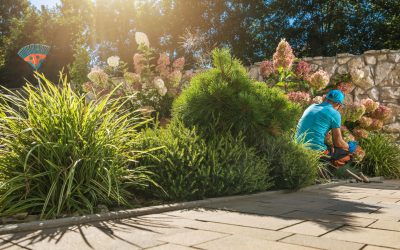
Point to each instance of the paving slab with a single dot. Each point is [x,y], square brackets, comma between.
[385,224]
[192,238]
[323,243]
[171,247]
[264,234]
[312,228]
[369,247]
[241,219]
[237,242]
[370,236]
[331,218]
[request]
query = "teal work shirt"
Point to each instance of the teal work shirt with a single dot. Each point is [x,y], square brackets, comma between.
[316,122]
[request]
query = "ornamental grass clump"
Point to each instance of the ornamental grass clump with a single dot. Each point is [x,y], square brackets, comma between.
[61,156]
[382,156]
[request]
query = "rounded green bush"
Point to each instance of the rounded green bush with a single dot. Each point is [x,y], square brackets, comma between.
[189,167]
[293,165]
[226,99]
[382,156]
[60,155]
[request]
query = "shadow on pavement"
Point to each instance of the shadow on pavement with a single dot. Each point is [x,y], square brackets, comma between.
[351,205]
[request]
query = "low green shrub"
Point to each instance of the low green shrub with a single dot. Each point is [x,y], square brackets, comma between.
[225,98]
[382,156]
[189,167]
[293,165]
[60,155]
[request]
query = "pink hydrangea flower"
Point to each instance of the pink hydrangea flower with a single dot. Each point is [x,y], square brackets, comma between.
[375,125]
[345,87]
[382,113]
[303,69]
[179,64]
[138,60]
[365,122]
[360,133]
[175,77]
[299,97]
[319,80]
[283,56]
[266,68]
[352,112]
[370,105]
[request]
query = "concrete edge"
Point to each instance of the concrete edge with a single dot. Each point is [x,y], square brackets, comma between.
[123,214]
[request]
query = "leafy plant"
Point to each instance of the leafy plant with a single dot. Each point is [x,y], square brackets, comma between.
[293,165]
[60,155]
[382,156]
[189,167]
[226,99]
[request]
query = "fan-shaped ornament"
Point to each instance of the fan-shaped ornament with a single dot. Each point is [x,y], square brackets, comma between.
[34,54]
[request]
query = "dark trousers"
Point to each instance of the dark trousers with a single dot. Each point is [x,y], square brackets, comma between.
[338,157]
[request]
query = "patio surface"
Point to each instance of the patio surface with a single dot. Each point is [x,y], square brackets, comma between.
[348,216]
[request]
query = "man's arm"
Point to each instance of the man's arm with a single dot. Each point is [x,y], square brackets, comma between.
[338,139]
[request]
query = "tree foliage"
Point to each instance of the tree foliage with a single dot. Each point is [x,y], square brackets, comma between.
[250,28]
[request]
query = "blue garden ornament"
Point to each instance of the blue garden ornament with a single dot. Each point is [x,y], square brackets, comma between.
[34,54]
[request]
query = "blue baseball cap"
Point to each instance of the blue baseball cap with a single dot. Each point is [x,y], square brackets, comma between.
[336,96]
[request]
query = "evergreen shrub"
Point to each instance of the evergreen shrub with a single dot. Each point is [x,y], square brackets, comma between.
[225,98]
[293,165]
[189,167]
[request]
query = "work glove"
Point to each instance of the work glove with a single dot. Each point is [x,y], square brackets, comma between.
[352,146]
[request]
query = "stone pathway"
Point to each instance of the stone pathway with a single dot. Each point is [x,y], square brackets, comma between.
[351,216]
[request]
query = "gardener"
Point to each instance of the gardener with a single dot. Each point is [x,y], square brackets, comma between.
[317,121]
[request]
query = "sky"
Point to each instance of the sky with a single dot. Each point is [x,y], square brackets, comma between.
[49,3]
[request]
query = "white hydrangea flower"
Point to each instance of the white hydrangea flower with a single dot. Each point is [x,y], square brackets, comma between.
[141,38]
[160,86]
[113,61]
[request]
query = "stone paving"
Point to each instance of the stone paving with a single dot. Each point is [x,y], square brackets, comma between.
[349,216]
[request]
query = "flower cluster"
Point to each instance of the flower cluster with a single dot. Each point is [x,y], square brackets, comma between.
[365,122]
[133,80]
[375,125]
[138,62]
[318,99]
[345,87]
[283,57]
[179,64]
[319,80]
[266,68]
[353,112]
[299,97]
[382,113]
[113,61]
[98,76]
[170,73]
[370,105]
[303,69]
[160,86]
[360,133]
[142,39]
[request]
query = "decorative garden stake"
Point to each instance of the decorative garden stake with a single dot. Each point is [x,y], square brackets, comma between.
[34,54]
